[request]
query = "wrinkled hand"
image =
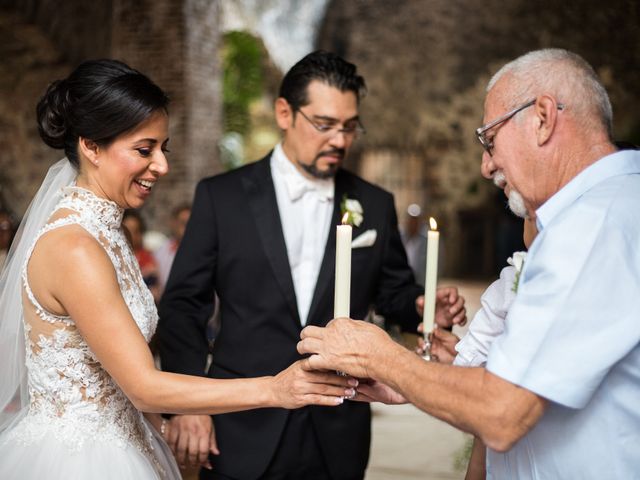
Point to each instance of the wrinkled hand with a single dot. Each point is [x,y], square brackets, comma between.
[345,345]
[191,438]
[450,309]
[374,391]
[299,385]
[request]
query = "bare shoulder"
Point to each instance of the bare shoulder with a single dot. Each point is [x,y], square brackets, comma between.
[67,259]
[70,245]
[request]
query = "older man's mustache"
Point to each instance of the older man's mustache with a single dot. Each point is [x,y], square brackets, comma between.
[515,199]
[499,180]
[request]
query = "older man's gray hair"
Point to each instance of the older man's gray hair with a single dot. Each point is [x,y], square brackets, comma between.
[566,76]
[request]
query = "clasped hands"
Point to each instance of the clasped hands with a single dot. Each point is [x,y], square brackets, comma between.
[192,437]
[345,345]
[361,349]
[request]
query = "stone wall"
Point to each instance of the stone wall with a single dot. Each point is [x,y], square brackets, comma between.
[203,88]
[427,62]
[78,29]
[174,42]
[29,62]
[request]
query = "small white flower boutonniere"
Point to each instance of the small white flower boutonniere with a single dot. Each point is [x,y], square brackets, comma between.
[354,210]
[517,261]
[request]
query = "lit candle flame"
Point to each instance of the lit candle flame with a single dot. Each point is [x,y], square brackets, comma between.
[433,224]
[345,218]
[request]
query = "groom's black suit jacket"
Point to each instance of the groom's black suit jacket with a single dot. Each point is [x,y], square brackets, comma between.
[234,245]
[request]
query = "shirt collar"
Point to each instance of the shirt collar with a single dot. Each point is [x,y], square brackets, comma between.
[297,185]
[619,163]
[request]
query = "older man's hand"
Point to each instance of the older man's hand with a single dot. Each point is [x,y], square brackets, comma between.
[450,309]
[345,345]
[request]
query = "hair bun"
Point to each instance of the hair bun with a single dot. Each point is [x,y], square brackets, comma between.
[52,114]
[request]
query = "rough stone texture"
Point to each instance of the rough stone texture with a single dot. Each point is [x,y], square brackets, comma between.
[427,63]
[203,88]
[29,62]
[79,29]
[174,42]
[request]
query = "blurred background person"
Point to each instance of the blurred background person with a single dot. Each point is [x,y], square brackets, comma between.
[135,228]
[165,254]
[415,242]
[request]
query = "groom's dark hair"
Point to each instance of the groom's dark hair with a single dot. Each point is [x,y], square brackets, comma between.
[325,67]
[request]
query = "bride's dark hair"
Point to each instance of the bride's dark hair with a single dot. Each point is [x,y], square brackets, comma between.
[99,100]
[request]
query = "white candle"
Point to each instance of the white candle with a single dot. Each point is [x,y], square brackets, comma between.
[342,297]
[431,278]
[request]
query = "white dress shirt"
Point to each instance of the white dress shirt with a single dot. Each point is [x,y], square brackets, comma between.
[305,207]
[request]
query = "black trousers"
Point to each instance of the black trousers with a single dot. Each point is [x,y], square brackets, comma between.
[297,456]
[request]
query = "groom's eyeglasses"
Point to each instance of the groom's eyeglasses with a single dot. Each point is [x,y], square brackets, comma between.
[330,128]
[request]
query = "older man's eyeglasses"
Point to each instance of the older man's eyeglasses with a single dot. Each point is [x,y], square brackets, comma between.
[487,142]
[331,128]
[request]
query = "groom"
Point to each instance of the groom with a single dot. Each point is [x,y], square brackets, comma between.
[263,238]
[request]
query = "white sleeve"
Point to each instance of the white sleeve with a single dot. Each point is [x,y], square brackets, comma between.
[488,322]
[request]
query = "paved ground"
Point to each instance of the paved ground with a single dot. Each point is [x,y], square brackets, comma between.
[408,444]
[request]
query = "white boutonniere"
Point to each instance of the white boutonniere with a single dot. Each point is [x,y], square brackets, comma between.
[354,210]
[517,261]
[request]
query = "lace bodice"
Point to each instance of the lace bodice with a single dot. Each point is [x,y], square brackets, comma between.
[71,395]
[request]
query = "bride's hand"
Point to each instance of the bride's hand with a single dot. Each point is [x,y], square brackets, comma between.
[295,387]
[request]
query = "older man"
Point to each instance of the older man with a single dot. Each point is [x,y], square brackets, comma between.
[559,395]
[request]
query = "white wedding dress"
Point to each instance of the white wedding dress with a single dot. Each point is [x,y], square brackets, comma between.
[79,423]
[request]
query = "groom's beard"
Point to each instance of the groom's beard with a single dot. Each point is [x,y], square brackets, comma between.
[330,172]
[516,201]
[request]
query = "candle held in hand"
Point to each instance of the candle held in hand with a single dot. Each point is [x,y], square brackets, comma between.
[431,278]
[342,297]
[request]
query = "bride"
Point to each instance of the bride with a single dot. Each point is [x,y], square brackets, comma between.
[75,316]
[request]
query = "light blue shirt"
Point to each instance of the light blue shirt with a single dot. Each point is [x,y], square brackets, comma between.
[572,335]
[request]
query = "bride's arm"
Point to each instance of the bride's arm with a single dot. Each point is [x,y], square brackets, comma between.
[83,282]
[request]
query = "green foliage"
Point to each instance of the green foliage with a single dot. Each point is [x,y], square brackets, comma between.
[463,455]
[242,79]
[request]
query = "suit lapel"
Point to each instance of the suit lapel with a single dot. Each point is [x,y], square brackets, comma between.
[261,196]
[327,268]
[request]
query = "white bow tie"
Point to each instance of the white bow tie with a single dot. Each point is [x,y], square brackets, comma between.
[298,186]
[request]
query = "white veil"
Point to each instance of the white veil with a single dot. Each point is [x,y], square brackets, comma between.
[14,397]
